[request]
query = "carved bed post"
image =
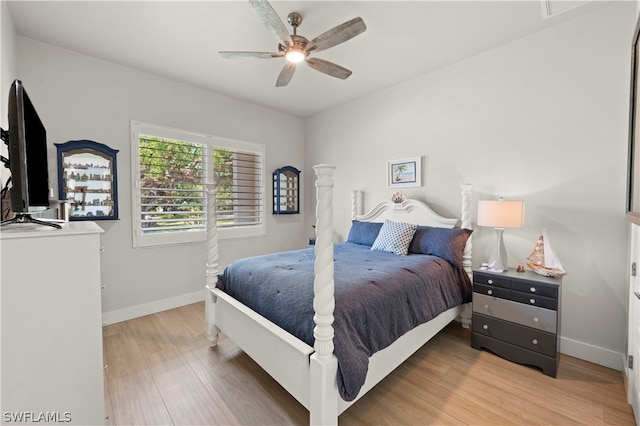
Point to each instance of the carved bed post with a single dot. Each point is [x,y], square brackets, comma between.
[324,365]
[467,264]
[466,224]
[356,203]
[211,268]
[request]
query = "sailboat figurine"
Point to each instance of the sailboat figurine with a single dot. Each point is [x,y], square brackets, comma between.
[543,260]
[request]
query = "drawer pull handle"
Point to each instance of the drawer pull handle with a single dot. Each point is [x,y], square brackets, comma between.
[486,306]
[485,326]
[535,341]
[533,289]
[489,292]
[535,319]
[532,301]
[490,281]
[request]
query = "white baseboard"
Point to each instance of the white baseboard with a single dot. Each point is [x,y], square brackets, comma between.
[137,311]
[591,353]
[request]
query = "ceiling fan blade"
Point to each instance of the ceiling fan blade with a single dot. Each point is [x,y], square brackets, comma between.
[286,74]
[328,68]
[337,35]
[230,54]
[272,21]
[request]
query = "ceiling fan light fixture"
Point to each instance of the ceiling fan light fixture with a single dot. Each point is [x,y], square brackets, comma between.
[296,56]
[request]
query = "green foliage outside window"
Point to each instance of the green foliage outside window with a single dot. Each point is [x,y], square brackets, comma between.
[172,176]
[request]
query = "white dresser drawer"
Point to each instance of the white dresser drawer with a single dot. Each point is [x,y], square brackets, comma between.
[531,316]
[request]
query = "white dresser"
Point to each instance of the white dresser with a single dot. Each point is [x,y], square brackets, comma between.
[51,326]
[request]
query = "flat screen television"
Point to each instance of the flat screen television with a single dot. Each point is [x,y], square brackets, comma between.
[27,147]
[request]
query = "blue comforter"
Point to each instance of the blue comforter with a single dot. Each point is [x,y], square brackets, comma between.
[379,296]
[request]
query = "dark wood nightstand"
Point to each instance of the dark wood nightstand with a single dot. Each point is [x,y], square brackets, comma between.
[516,315]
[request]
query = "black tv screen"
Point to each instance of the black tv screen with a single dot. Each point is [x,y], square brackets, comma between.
[27,153]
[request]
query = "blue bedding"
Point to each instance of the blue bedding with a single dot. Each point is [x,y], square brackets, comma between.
[379,296]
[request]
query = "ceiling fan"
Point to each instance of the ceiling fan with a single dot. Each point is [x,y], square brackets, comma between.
[296,48]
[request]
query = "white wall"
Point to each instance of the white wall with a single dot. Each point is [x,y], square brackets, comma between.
[80,97]
[542,119]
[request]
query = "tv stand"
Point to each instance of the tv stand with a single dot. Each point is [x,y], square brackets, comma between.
[26,218]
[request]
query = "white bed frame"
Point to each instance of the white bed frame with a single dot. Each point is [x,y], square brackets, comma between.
[309,373]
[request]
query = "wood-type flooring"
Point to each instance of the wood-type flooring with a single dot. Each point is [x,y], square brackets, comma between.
[161,371]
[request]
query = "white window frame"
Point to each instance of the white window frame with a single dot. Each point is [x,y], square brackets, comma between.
[209,141]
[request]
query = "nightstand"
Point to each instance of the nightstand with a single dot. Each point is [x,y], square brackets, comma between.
[516,315]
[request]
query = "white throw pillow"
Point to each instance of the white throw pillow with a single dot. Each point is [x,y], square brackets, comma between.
[394,237]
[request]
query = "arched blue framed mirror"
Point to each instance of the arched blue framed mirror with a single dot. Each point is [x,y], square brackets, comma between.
[286,190]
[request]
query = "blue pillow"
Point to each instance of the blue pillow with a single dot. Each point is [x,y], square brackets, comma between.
[394,237]
[364,233]
[445,243]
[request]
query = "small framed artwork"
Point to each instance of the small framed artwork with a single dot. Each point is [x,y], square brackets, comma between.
[406,172]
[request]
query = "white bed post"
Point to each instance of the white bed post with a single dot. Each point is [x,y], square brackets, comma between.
[324,365]
[465,317]
[356,203]
[465,219]
[211,269]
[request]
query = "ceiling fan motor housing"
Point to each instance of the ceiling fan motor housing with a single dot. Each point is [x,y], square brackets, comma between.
[294,19]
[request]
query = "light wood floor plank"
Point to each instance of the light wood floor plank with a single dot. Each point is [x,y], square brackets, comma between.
[134,397]
[186,399]
[162,371]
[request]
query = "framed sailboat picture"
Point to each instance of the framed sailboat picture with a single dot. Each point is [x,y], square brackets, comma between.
[633,176]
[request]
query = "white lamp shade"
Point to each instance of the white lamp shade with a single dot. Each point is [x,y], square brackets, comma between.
[501,213]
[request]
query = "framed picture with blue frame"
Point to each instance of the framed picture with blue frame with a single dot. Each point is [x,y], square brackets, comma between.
[406,172]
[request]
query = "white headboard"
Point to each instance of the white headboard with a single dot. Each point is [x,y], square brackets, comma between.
[409,211]
[417,212]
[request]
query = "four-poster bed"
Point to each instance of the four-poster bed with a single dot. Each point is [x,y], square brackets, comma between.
[308,371]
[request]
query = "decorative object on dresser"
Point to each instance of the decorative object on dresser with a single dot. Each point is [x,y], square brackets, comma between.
[543,260]
[500,214]
[87,179]
[286,190]
[516,315]
[406,172]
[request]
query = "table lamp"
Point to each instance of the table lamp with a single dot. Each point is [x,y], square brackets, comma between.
[500,214]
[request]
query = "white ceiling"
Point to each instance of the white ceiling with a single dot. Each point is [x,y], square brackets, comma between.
[180,40]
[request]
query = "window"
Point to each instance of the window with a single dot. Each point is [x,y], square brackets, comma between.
[171,169]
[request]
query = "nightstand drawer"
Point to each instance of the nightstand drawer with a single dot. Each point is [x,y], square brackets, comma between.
[531,316]
[515,353]
[535,300]
[490,290]
[492,279]
[532,287]
[528,338]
